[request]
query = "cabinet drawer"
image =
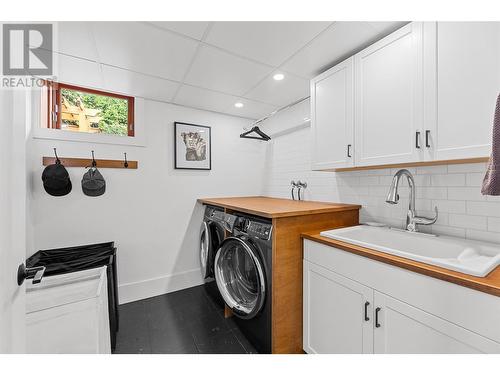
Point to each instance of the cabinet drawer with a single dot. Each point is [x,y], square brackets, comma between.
[454,303]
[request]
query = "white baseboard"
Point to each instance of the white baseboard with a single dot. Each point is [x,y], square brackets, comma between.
[154,287]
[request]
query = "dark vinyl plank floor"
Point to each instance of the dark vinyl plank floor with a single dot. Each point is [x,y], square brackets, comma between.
[183,322]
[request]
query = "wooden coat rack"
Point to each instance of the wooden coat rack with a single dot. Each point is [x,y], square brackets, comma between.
[83,163]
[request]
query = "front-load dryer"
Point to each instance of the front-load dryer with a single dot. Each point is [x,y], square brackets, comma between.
[211,237]
[244,276]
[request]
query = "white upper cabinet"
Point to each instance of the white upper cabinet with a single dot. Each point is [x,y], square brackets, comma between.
[467,85]
[332,113]
[389,99]
[426,92]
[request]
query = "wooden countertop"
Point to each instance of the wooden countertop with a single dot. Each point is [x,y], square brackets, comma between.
[489,284]
[277,207]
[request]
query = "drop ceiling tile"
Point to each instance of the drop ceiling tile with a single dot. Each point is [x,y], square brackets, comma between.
[135,84]
[340,41]
[205,99]
[193,29]
[143,48]
[268,42]
[79,72]
[217,70]
[251,109]
[280,93]
[75,39]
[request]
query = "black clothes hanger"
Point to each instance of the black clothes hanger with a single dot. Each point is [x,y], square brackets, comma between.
[94,164]
[261,135]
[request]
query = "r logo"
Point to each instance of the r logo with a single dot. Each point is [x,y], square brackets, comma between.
[27,49]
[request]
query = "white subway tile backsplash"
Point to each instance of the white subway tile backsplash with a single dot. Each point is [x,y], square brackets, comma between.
[468,221]
[494,224]
[454,189]
[435,169]
[456,207]
[448,180]
[466,168]
[425,204]
[484,208]
[474,179]
[465,193]
[432,192]
[369,180]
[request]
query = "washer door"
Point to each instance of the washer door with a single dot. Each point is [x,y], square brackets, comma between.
[240,277]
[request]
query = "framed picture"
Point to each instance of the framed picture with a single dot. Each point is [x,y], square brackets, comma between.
[192,146]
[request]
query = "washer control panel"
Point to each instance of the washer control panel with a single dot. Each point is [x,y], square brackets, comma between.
[259,230]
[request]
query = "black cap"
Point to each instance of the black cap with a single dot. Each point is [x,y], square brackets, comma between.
[93,184]
[56,180]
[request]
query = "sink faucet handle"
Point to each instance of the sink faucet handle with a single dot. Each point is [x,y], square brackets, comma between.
[427,220]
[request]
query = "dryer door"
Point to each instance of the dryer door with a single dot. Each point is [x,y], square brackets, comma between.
[205,244]
[239,273]
[211,237]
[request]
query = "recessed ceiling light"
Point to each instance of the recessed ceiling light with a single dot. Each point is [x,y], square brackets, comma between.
[238,105]
[278,76]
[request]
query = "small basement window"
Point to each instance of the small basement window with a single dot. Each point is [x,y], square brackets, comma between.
[79,109]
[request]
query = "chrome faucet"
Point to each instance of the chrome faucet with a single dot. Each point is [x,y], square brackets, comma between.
[393,198]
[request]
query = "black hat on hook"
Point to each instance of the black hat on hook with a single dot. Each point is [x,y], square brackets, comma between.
[93,183]
[55,177]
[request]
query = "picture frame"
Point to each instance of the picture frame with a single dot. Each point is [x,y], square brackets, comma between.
[192,146]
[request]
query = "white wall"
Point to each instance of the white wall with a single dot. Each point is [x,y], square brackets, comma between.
[13,217]
[5,223]
[150,212]
[454,189]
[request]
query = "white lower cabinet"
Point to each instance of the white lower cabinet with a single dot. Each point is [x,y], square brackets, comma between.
[353,304]
[334,313]
[404,329]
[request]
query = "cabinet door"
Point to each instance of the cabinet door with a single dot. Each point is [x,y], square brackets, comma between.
[389,99]
[332,117]
[405,329]
[468,83]
[334,313]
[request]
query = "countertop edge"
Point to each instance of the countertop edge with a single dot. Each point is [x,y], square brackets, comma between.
[468,281]
[345,207]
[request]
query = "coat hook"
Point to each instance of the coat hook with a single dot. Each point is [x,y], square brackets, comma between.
[57,157]
[94,164]
[125,164]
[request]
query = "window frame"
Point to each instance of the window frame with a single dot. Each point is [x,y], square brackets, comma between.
[54,104]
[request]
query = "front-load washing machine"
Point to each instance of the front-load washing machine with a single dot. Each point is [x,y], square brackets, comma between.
[211,237]
[244,276]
